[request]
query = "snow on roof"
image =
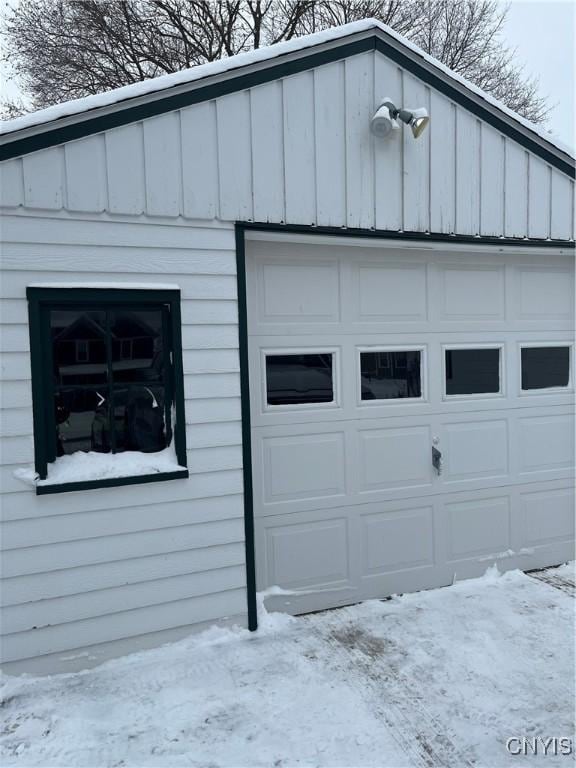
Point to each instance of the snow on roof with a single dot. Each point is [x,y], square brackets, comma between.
[261,55]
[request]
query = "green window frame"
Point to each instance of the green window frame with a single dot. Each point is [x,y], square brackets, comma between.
[41,301]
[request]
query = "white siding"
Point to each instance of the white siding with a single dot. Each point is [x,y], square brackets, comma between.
[359,90]
[330,146]
[416,186]
[125,150]
[299,150]
[86,174]
[299,155]
[143,562]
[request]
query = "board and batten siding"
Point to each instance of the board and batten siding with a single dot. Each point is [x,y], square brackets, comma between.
[299,150]
[93,574]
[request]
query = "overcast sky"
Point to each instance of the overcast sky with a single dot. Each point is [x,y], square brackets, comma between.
[543,33]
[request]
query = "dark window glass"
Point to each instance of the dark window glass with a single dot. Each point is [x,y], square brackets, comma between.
[390,375]
[79,414]
[109,380]
[79,347]
[139,418]
[544,367]
[137,349]
[472,371]
[299,379]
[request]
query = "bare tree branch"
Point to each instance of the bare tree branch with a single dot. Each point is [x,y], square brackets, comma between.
[64,49]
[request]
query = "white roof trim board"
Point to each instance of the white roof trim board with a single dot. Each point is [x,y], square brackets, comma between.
[223,69]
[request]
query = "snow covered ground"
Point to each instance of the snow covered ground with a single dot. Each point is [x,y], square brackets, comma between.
[439,678]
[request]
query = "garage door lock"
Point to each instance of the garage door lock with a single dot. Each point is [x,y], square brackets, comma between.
[437,460]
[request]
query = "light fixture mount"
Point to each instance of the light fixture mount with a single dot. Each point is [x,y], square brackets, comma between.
[386,118]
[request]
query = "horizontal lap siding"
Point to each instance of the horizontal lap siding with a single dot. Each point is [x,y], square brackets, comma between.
[98,567]
[296,150]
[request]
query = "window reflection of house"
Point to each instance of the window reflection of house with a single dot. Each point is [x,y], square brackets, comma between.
[390,375]
[80,346]
[81,341]
[105,362]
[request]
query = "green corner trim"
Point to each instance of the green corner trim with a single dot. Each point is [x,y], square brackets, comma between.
[246,430]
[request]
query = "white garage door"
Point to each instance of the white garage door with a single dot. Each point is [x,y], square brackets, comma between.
[367,360]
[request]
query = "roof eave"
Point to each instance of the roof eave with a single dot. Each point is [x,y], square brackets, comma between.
[133,109]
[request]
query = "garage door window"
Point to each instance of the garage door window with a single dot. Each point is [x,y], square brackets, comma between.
[545,367]
[472,371]
[391,374]
[299,378]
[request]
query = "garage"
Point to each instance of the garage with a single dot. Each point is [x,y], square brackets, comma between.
[411,414]
[299,318]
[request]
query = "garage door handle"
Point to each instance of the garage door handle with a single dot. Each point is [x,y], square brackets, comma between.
[437,460]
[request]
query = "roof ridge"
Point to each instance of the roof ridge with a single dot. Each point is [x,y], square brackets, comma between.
[122,96]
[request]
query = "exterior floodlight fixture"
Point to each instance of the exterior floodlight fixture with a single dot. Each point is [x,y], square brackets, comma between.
[385,120]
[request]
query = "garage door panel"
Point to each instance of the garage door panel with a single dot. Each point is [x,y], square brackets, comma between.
[478,527]
[303,466]
[474,449]
[547,516]
[314,553]
[296,291]
[412,580]
[394,458]
[544,295]
[389,292]
[471,293]
[545,443]
[397,540]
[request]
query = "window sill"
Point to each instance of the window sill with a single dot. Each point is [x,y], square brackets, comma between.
[111,482]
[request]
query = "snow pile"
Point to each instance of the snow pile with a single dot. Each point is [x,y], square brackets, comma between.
[443,677]
[84,466]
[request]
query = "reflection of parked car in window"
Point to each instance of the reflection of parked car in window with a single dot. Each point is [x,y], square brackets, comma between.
[298,379]
[138,415]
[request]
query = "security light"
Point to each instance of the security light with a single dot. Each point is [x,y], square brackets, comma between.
[387,115]
[384,121]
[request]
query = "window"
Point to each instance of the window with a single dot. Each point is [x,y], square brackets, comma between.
[299,379]
[545,367]
[472,371]
[82,351]
[106,375]
[390,374]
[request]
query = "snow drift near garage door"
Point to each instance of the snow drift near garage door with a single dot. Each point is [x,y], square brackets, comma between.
[374,367]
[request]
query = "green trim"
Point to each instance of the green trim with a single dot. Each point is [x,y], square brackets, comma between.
[38,367]
[40,301]
[393,234]
[111,482]
[178,384]
[246,430]
[105,296]
[124,114]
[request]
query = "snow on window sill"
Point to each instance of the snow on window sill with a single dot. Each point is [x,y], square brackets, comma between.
[83,470]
